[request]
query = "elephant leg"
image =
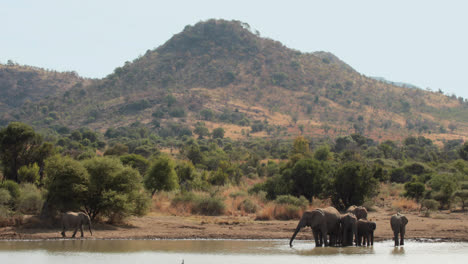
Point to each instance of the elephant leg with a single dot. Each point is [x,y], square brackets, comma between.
[324,232]
[402,236]
[372,238]
[395,237]
[63,231]
[367,240]
[74,232]
[316,237]
[81,229]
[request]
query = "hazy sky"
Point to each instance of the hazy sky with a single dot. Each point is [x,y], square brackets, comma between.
[420,42]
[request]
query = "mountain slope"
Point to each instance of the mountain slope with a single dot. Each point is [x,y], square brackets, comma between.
[245,80]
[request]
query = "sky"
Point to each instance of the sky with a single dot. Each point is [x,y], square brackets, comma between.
[424,43]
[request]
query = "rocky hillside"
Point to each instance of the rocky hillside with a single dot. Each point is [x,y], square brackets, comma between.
[222,73]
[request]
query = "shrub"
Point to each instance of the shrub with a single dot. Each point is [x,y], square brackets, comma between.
[12,187]
[237,194]
[199,204]
[5,197]
[430,205]
[287,212]
[209,206]
[30,200]
[301,202]
[29,173]
[249,206]
[415,190]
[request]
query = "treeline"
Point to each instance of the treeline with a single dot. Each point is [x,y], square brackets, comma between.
[114,175]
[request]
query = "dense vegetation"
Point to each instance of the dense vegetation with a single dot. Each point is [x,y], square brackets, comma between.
[114,175]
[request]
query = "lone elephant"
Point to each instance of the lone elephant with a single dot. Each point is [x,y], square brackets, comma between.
[323,222]
[349,229]
[75,220]
[398,223]
[359,211]
[365,230]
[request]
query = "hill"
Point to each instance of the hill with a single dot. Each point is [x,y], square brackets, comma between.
[27,85]
[224,74]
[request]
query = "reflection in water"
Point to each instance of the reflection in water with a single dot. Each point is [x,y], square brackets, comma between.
[398,251]
[223,251]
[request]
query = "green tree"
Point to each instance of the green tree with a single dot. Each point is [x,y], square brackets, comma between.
[135,161]
[463,196]
[443,187]
[114,190]
[18,144]
[322,153]
[66,183]
[29,173]
[463,151]
[415,190]
[351,184]
[308,178]
[218,132]
[201,130]
[161,175]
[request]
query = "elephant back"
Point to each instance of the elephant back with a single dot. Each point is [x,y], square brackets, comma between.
[359,211]
[398,221]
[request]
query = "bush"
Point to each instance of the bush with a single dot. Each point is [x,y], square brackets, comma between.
[30,200]
[287,212]
[301,202]
[196,204]
[29,173]
[415,190]
[12,187]
[249,206]
[5,197]
[430,205]
[209,206]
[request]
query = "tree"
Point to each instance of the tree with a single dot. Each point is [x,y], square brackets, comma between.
[29,173]
[308,177]
[463,151]
[18,144]
[322,153]
[114,190]
[135,161]
[161,175]
[444,186]
[218,132]
[463,196]
[415,190]
[201,130]
[351,184]
[66,183]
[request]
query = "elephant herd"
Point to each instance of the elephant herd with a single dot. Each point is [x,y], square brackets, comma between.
[330,228]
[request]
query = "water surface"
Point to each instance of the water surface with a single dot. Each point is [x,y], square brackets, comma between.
[224,251]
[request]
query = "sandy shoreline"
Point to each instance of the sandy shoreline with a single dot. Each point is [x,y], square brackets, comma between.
[442,226]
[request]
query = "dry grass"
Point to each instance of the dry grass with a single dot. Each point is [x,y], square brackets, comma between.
[404,204]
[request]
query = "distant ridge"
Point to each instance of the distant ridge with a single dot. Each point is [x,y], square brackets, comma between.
[222,73]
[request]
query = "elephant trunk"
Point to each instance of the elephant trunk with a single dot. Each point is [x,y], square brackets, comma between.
[298,228]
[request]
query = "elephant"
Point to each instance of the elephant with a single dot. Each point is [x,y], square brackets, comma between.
[365,230]
[398,223]
[349,230]
[75,220]
[359,211]
[323,222]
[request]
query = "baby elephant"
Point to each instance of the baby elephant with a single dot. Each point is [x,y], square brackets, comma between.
[365,232]
[398,223]
[75,220]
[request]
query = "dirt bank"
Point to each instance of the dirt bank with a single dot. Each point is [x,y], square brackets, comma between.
[441,225]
